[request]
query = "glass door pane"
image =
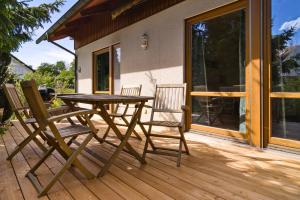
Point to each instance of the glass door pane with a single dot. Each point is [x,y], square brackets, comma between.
[102,72]
[285,69]
[218,59]
[219,112]
[218,54]
[117,68]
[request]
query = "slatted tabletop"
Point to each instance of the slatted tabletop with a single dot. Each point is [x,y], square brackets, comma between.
[104,98]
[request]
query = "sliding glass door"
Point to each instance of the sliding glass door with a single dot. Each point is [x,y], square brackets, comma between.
[284,72]
[216,70]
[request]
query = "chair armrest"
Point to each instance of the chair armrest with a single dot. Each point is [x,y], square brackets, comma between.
[145,106]
[71,114]
[59,110]
[185,108]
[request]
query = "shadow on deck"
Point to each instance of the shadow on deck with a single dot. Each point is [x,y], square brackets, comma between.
[215,170]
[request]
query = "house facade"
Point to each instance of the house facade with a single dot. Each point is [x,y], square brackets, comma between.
[233,59]
[18,67]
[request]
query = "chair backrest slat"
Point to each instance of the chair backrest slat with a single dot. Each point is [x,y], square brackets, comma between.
[128,90]
[169,98]
[13,97]
[131,90]
[35,102]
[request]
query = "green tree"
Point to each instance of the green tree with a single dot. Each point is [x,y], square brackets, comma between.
[18,21]
[53,75]
[282,62]
[52,69]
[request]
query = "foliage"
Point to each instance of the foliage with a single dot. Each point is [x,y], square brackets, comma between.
[53,75]
[283,62]
[5,77]
[19,21]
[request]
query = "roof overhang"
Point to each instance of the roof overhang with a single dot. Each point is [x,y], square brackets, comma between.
[82,12]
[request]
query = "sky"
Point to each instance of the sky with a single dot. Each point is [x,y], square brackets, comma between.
[286,14]
[34,54]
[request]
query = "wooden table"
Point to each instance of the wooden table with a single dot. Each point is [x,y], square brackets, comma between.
[99,101]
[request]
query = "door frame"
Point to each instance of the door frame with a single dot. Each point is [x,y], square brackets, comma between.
[110,50]
[94,55]
[253,88]
[268,94]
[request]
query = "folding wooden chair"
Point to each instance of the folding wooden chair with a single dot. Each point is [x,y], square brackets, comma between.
[56,136]
[22,114]
[169,99]
[20,110]
[121,111]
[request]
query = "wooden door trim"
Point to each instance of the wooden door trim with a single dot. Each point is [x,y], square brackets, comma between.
[285,95]
[217,12]
[220,131]
[255,67]
[94,54]
[285,142]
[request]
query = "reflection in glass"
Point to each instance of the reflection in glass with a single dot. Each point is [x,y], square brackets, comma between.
[286,118]
[116,65]
[218,53]
[220,112]
[285,46]
[102,72]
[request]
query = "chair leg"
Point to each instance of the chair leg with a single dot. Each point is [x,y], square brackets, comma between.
[67,165]
[145,133]
[40,134]
[23,144]
[134,132]
[107,131]
[72,160]
[183,140]
[145,147]
[179,153]
[36,166]
[147,142]
[75,161]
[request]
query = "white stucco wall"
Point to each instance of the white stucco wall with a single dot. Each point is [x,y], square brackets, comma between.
[162,62]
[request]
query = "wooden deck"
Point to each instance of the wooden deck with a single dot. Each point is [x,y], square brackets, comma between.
[216,169]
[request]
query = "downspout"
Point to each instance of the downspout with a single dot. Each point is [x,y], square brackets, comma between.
[76,61]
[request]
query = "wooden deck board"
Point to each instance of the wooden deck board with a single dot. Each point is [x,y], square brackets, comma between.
[21,167]
[9,189]
[71,185]
[44,173]
[213,171]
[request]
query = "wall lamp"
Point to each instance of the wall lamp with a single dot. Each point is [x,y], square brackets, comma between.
[144,41]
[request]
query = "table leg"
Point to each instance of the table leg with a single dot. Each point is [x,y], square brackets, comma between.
[124,139]
[72,105]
